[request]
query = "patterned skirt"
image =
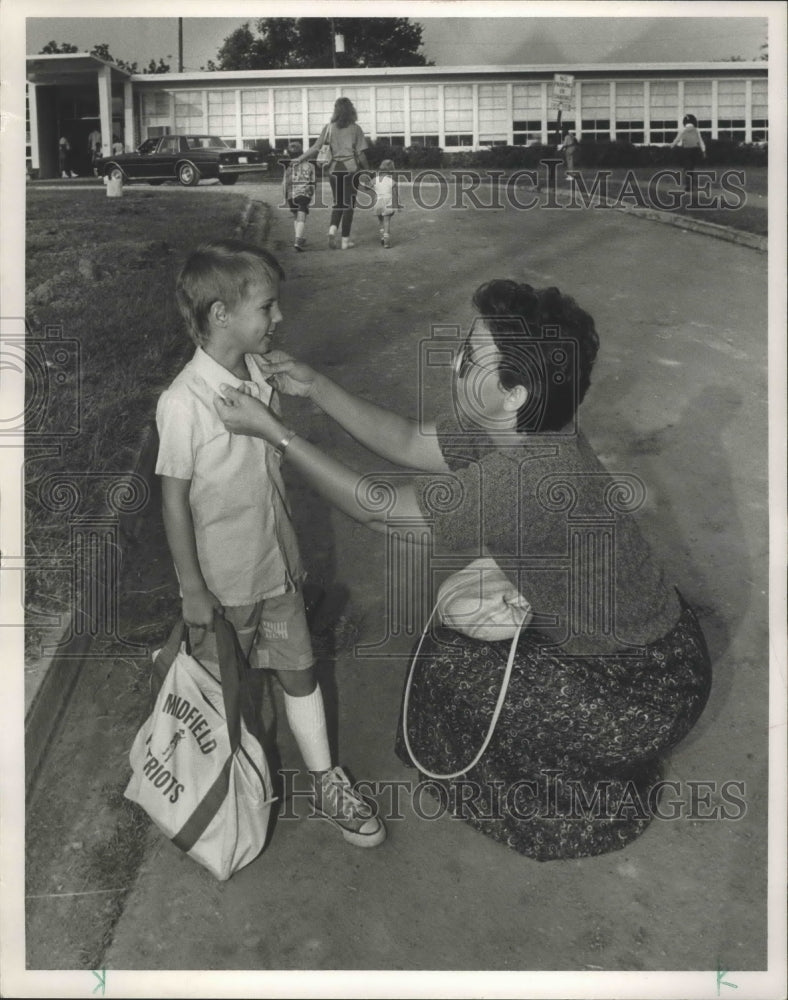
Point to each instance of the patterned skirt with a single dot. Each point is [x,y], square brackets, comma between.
[573,768]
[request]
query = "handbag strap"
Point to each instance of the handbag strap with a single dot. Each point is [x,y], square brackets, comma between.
[234,678]
[493,721]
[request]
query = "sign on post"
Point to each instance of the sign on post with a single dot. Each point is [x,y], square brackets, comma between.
[563,88]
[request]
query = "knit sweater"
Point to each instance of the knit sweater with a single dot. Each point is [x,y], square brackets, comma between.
[560,526]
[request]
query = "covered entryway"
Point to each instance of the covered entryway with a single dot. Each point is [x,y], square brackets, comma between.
[79,98]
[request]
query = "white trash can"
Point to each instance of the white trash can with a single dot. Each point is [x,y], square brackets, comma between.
[114,187]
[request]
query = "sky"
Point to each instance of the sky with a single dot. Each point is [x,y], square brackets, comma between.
[447,41]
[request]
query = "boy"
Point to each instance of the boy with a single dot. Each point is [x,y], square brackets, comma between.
[298,188]
[227,521]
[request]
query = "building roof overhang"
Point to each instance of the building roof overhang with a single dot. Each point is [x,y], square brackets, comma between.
[69,67]
[533,70]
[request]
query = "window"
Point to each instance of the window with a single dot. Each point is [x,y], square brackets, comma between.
[221,112]
[288,120]
[424,124]
[664,106]
[760,111]
[630,108]
[320,108]
[697,101]
[459,139]
[595,104]
[458,113]
[527,113]
[154,112]
[731,106]
[390,113]
[155,104]
[362,102]
[493,114]
[254,114]
[188,111]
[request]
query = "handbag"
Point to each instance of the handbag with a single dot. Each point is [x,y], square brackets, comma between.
[324,155]
[480,602]
[198,768]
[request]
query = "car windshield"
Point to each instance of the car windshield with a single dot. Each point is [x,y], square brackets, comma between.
[205,142]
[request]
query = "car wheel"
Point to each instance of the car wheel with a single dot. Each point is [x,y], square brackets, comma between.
[187,174]
[115,174]
[228,179]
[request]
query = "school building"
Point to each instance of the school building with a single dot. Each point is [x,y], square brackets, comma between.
[460,107]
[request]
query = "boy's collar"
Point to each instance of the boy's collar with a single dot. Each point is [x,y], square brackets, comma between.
[216,375]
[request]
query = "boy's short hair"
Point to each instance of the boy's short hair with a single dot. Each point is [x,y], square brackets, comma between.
[387,165]
[295,148]
[220,271]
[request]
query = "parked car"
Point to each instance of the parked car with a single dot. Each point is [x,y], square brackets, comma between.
[185,158]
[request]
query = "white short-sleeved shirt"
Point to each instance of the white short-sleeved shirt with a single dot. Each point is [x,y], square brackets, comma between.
[246,543]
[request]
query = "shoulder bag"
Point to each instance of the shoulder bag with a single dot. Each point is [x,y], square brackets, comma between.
[198,768]
[480,602]
[324,156]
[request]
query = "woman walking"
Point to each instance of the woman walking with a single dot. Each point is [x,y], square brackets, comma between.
[347,143]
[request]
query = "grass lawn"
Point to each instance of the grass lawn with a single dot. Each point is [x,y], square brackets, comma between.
[100,274]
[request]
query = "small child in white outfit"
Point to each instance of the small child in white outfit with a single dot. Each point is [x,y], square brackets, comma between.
[386,204]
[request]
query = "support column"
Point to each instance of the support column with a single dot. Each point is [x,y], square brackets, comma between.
[32,112]
[129,137]
[105,109]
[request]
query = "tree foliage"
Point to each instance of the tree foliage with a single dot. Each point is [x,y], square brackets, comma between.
[307,43]
[101,51]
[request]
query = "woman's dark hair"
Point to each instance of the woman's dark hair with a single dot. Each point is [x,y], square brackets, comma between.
[547,344]
[344,112]
[689,120]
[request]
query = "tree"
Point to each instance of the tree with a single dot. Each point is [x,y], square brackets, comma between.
[55,48]
[307,43]
[101,51]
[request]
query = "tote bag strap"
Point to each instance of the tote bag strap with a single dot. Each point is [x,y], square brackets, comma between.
[493,721]
[237,705]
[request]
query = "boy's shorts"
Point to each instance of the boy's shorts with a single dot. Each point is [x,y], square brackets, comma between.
[273,634]
[299,204]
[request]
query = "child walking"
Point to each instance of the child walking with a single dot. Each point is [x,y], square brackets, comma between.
[225,513]
[386,204]
[298,188]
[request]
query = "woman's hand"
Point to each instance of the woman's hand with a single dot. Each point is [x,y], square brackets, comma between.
[291,377]
[243,414]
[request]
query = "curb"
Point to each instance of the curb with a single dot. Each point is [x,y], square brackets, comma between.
[63,669]
[738,236]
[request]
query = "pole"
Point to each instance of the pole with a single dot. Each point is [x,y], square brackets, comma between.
[333,42]
[558,123]
[180,44]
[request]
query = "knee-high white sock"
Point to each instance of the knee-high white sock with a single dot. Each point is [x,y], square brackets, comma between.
[307,719]
[299,229]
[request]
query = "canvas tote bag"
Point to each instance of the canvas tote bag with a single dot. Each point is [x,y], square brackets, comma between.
[198,768]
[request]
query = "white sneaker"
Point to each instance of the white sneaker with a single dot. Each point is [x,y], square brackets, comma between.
[347,244]
[337,801]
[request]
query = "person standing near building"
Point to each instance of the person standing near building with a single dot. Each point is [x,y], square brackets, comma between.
[692,149]
[347,143]
[569,147]
[64,157]
[94,148]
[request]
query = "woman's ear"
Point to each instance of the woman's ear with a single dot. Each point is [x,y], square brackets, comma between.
[515,397]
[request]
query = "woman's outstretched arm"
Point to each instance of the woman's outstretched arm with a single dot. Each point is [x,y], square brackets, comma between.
[389,435]
[351,493]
